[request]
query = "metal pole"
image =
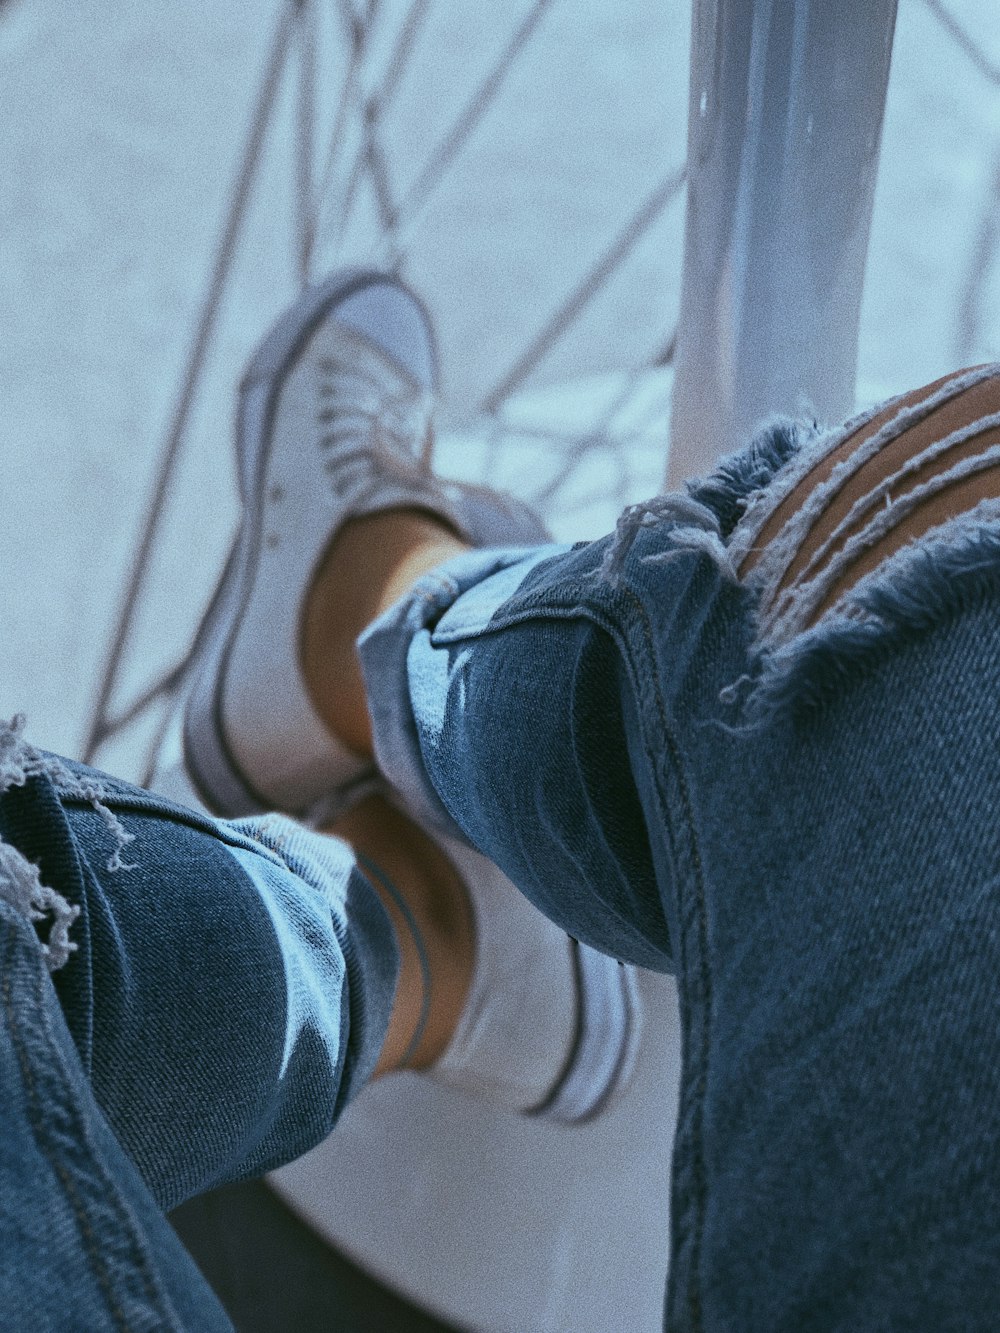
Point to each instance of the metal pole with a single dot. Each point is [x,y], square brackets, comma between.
[784,128]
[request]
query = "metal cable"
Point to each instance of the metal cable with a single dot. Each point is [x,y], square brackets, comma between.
[965,40]
[100,726]
[585,291]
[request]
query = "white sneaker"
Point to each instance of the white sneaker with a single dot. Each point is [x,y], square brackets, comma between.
[551,1027]
[333,422]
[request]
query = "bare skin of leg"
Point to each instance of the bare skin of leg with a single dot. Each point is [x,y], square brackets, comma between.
[438,900]
[371,563]
[967,406]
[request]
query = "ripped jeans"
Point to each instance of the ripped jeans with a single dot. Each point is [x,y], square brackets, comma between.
[715,744]
[183,1002]
[753,740]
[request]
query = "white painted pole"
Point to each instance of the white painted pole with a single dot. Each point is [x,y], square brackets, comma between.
[784,128]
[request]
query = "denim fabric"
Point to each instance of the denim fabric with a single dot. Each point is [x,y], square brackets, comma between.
[805,834]
[229,993]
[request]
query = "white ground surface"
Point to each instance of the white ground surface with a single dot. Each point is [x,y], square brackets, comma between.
[120,127]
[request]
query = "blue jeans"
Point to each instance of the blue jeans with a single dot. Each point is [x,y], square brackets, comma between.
[802,829]
[228,994]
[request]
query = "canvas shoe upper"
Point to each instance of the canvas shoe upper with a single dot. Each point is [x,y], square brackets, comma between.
[334,421]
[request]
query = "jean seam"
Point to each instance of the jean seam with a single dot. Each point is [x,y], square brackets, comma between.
[575,602]
[40,1133]
[155,808]
[697,938]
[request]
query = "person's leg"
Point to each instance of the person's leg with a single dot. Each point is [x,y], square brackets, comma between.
[791,808]
[84,1244]
[371,564]
[376,560]
[334,423]
[186,1002]
[432,919]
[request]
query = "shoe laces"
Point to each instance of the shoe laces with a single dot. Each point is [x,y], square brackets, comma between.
[369,425]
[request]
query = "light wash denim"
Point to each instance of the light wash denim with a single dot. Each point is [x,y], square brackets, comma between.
[803,827]
[228,993]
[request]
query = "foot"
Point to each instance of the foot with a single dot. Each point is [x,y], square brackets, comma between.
[333,424]
[492,999]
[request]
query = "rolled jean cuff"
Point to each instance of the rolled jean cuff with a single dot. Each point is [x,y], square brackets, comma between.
[396,665]
[359,1012]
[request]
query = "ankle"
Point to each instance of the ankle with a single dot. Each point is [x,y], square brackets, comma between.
[398,858]
[372,562]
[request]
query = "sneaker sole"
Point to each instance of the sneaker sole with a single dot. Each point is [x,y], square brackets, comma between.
[605,1046]
[217,777]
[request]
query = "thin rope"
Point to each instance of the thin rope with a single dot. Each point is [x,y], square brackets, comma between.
[587,289]
[599,434]
[401,53]
[351,19]
[156,745]
[468,119]
[350,94]
[965,40]
[165,685]
[305,138]
[378,103]
[378,173]
[192,377]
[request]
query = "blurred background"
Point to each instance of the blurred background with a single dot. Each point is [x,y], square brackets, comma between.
[520,162]
[171,174]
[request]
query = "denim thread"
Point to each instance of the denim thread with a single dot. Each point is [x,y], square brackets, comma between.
[781,549]
[694,919]
[37,1103]
[913,592]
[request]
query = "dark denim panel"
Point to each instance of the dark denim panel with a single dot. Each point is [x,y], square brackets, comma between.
[843,1132]
[83,1243]
[227,1000]
[826,885]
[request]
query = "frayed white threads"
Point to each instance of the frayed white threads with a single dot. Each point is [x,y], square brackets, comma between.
[20,882]
[21,886]
[699,528]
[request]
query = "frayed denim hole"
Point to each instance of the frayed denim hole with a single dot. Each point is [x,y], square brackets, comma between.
[918,589]
[738,476]
[684,515]
[20,881]
[706,512]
